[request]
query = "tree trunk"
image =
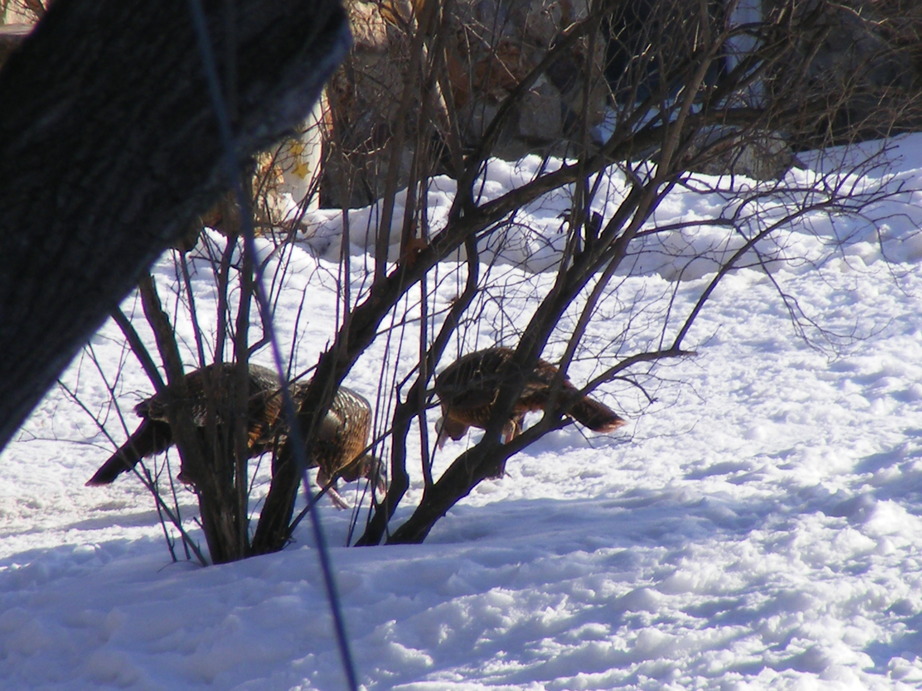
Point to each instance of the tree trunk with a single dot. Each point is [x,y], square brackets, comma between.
[273,531]
[110,145]
[466,472]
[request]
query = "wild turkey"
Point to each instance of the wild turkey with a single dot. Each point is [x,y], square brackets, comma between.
[468,388]
[339,448]
[213,383]
[342,437]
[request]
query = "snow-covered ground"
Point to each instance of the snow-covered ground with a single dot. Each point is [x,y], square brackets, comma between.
[758,527]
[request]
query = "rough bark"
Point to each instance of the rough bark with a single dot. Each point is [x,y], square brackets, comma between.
[273,531]
[109,146]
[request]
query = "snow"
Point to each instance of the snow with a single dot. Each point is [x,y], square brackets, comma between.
[757,527]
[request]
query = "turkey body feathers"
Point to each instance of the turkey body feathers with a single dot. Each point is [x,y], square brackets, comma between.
[469,387]
[337,449]
[211,388]
[341,440]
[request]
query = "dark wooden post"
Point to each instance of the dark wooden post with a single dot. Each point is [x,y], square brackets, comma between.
[109,146]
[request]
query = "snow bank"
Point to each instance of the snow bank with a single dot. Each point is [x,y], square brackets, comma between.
[757,528]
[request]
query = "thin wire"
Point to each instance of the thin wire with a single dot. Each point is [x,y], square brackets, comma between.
[233,168]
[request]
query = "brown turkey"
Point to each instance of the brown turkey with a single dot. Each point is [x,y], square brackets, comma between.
[340,447]
[215,384]
[342,436]
[468,389]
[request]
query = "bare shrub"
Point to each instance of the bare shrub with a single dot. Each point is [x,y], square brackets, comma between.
[646,98]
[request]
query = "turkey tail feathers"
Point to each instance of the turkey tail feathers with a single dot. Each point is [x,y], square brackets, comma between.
[151,438]
[117,464]
[595,415]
